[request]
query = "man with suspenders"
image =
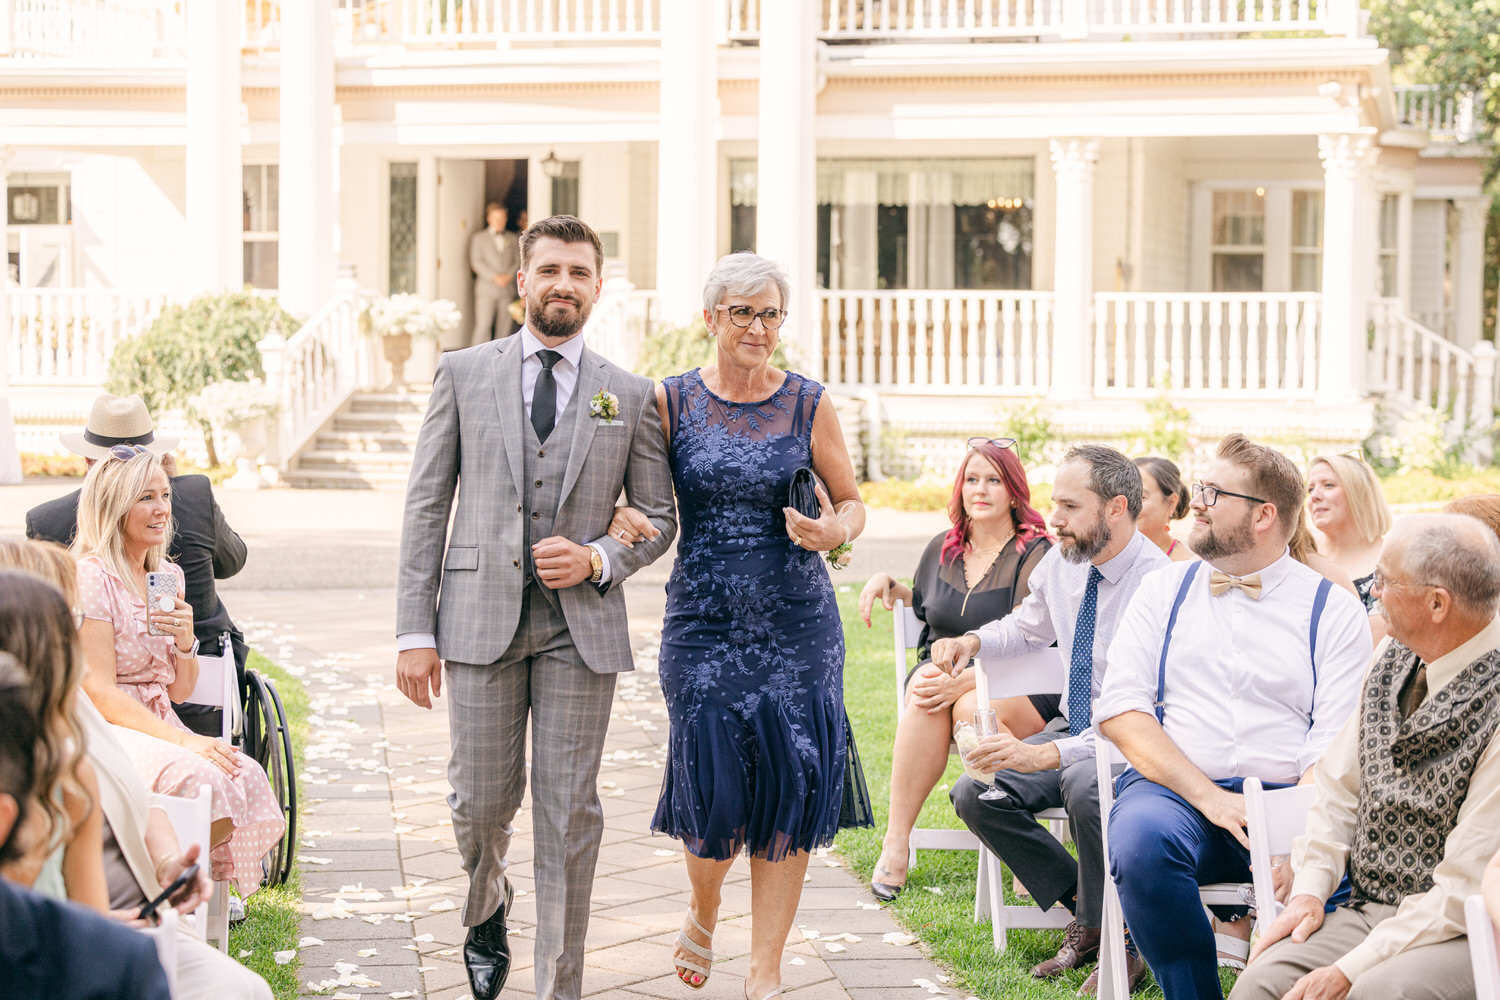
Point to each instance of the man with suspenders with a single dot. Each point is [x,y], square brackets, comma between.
[1245,664]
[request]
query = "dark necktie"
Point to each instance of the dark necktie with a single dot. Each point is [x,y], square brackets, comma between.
[1081,663]
[544,395]
[1413,693]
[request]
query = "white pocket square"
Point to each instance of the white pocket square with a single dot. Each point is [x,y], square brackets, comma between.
[611,423]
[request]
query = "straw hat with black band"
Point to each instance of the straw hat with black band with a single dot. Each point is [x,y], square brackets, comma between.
[118,420]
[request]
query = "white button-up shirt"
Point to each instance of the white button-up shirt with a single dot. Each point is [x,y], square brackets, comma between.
[564,372]
[1240,696]
[1050,614]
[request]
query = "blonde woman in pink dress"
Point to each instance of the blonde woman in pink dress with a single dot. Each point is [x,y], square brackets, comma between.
[124,526]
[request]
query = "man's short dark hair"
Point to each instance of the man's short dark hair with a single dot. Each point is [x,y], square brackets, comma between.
[18,739]
[567,229]
[1111,475]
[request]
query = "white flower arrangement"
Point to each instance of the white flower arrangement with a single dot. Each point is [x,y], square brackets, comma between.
[233,403]
[1419,441]
[414,315]
[605,405]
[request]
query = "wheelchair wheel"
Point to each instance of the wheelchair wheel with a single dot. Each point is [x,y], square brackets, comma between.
[268,741]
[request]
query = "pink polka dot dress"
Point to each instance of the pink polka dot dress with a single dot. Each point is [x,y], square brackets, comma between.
[145,665]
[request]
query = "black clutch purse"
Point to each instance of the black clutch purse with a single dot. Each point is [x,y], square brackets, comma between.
[802,496]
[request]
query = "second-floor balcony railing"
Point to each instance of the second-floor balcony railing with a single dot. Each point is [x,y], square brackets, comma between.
[141,30]
[1444,113]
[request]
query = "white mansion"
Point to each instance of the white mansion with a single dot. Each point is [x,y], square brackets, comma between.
[980,201]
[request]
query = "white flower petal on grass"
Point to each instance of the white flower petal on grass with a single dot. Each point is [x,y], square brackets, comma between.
[246,954]
[285,957]
[936,890]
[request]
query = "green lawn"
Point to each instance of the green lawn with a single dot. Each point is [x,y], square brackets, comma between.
[273,921]
[944,920]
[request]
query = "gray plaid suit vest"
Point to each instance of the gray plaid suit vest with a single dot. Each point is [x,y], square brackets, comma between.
[545,466]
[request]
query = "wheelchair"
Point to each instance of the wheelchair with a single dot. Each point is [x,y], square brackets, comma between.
[257,726]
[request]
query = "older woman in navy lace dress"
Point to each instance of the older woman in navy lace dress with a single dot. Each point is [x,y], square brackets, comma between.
[752,650]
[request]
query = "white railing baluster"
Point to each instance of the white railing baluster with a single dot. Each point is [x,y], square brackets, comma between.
[1102,374]
[1141,324]
[903,340]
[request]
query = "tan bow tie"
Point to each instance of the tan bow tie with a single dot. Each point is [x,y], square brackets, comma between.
[1218,583]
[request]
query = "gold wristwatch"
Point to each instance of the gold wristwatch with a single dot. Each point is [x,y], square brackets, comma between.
[596,563]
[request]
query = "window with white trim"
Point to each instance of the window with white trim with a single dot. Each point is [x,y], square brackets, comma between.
[1390,209]
[1307,241]
[260,190]
[1239,240]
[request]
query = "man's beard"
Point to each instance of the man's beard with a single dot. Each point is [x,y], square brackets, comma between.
[1080,548]
[558,327]
[1208,542]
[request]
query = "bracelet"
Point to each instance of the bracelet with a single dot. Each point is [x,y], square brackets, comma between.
[162,864]
[188,653]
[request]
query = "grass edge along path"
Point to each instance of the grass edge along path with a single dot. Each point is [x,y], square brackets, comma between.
[938,904]
[273,915]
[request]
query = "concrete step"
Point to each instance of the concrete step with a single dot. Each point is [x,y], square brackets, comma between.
[389,402]
[347,479]
[319,460]
[371,442]
[376,423]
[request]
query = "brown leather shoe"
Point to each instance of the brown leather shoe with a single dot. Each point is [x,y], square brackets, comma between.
[1080,947]
[1135,974]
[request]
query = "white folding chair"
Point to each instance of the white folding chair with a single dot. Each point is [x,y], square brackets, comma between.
[1037,674]
[218,686]
[164,936]
[191,821]
[1483,949]
[1273,819]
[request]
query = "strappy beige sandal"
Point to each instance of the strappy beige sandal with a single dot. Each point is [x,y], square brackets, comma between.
[684,966]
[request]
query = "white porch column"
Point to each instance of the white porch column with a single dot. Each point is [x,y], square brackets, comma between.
[686,160]
[786,165]
[427,225]
[10,455]
[1341,355]
[214,192]
[1468,270]
[305,251]
[1073,161]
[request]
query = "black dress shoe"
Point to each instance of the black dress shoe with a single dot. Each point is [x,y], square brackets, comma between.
[487,953]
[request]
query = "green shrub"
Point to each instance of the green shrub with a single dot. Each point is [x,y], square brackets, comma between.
[1029,425]
[672,350]
[189,347]
[1166,431]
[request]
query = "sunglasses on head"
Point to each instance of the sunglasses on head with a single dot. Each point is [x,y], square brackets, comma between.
[125,452]
[1002,443]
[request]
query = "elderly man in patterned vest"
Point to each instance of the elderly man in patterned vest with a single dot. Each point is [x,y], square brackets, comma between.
[1408,791]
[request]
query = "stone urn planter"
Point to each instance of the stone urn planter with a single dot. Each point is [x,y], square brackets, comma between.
[243,418]
[402,319]
[397,350]
[251,437]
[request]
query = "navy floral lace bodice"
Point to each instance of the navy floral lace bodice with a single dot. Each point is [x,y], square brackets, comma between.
[752,650]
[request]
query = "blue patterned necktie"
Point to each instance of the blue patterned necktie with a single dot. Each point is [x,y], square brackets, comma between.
[1081,663]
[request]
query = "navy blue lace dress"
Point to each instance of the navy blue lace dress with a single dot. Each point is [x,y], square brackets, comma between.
[752,649]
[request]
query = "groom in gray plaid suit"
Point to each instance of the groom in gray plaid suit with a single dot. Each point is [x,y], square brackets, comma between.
[521,599]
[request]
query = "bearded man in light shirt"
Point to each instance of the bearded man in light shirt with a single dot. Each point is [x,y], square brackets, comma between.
[1244,664]
[1408,792]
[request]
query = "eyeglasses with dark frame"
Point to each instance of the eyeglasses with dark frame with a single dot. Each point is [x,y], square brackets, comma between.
[1378,581]
[1210,494]
[1001,443]
[125,452]
[744,316]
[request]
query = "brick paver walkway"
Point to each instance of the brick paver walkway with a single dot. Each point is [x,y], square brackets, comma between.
[381,874]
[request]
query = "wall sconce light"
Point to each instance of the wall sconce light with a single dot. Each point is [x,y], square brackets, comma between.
[25,207]
[551,165]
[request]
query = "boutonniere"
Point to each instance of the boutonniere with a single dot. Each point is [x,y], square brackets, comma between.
[605,405]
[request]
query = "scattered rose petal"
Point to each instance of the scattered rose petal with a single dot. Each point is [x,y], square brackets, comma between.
[834,947]
[662,853]
[442,906]
[796,960]
[284,957]
[898,938]
[366,952]
[309,942]
[246,954]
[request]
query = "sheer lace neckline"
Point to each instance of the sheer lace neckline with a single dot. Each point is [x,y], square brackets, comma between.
[697,373]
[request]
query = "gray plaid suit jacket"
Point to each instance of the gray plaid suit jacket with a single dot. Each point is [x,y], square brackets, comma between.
[466,586]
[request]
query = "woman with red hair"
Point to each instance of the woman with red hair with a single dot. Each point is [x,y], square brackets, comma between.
[973,573]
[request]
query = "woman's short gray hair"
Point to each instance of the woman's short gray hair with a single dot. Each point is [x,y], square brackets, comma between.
[743,273]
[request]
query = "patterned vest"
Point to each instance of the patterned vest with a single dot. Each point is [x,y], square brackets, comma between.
[1414,775]
[545,466]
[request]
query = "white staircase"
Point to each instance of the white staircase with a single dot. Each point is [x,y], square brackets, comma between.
[368,445]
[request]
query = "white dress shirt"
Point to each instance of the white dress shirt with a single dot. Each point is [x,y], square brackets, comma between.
[1321,855]
[1240,698]
[1050,614]
[565,374]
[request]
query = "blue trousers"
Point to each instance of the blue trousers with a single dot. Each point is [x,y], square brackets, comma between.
[1160,850]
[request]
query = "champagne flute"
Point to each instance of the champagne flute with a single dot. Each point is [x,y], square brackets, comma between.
[988,724]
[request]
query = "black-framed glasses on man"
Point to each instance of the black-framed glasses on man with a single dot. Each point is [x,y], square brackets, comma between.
[743,316]
[1379,581]
[1209,495]
[125,452]
[1001,443]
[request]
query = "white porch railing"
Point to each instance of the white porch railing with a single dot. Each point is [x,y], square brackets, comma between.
[1237,344]
[319,367]
[497,21]
[938,341]
[91,29]
[1413,364]
[620,322]
[65,336]
[888,20]
[1444,114]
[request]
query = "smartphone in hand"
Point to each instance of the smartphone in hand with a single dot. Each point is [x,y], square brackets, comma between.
[161,595]
[178,884]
